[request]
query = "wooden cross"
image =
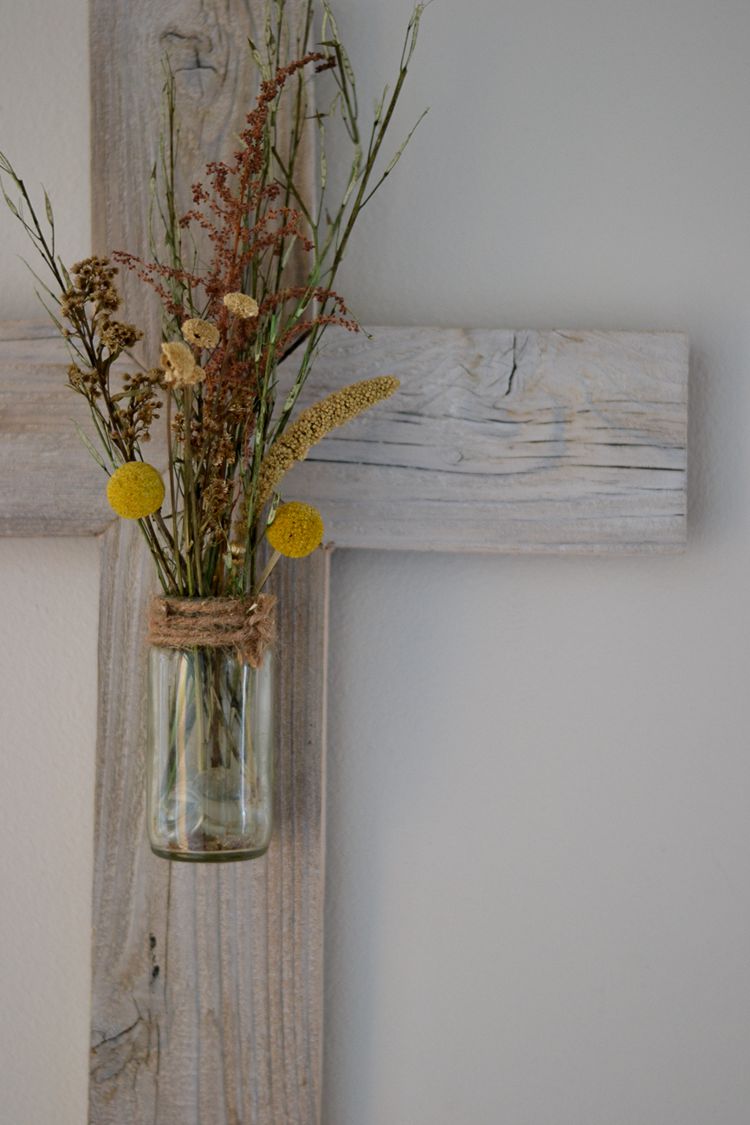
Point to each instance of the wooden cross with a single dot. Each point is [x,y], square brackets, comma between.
[207,982]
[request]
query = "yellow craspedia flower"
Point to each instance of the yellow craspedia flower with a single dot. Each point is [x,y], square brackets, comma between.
[246,308]
[200,332]
[297,530]
[135,490]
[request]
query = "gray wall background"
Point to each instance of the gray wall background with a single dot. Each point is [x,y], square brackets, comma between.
[538,908]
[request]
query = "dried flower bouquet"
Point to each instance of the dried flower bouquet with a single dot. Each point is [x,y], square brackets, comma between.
[228,322]
[230,314]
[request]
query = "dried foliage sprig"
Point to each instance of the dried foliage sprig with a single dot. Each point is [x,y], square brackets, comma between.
[315,423]
[231,312]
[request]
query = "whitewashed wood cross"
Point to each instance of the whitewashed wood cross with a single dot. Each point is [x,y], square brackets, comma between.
[207,982]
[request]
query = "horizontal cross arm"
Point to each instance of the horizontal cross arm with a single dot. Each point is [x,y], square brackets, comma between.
[497,441]
[506,441]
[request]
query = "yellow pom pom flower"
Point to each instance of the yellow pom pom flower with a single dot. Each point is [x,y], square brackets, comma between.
[297,530]
[135,490]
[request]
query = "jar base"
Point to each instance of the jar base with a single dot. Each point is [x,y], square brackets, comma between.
[208,857]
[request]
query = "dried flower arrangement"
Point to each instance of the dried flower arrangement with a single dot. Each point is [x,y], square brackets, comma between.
[228,323]
[230,317]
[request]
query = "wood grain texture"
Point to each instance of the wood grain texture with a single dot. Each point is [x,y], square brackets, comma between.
[206,45]
[207,980]
[498,441]
[49,484]
[506,441]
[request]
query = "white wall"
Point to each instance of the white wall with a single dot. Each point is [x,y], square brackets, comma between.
[48,610]
[538,903]
[538,906]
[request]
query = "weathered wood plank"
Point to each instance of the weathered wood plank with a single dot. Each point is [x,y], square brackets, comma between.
[207,981]
[207,987]
[206,43]
[49,484]
[498,441]
[506,441]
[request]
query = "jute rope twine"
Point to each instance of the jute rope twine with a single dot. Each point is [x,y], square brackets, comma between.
[245,624]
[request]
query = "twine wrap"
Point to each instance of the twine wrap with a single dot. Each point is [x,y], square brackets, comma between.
[245,624]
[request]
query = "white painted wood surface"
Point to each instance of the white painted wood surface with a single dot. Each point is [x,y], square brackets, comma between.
[207,979]
[506,441]
[49,484]
[581,446]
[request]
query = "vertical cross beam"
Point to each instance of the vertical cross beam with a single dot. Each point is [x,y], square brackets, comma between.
[207,982]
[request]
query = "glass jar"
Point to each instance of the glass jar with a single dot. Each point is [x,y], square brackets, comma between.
[210,754]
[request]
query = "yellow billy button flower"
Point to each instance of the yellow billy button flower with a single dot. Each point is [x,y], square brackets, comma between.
[135,490]
[297,530]
[246,308]
[201,333]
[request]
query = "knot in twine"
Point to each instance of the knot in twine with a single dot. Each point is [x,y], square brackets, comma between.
[245,624]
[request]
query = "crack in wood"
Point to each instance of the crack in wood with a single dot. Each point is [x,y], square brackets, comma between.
[514,366]
[192,47]
[115,1053]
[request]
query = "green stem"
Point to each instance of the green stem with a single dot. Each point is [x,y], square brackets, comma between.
[190,520]
[173,492]
[267,572]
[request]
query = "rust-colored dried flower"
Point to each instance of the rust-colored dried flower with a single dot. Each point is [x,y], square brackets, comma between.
[259,294]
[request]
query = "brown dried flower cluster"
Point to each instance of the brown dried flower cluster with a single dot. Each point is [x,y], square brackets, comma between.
[124,406]
[92,297]
[137,407]
[129,413]
[92,283]
[235,326]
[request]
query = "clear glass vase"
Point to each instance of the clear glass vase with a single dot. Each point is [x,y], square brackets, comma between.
[210,760]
